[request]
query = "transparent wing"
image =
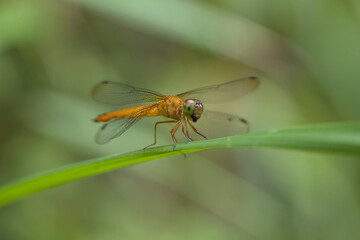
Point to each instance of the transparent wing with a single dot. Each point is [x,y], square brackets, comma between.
[217,124]
[116,127]
[119,94]
[222,92]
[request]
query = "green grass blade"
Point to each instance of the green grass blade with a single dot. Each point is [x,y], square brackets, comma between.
[330,137]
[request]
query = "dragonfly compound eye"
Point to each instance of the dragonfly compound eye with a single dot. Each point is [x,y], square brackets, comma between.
[189,107]
[192,109]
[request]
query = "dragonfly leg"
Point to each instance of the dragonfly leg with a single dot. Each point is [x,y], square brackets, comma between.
[187,132]
[155,132]
[173,131]
[193,128]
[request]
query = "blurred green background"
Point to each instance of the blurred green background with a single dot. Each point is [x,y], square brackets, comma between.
[307,54]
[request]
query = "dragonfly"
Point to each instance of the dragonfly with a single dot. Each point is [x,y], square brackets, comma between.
[183,109]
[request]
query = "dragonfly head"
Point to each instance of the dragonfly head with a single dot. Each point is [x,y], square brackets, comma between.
[192,109]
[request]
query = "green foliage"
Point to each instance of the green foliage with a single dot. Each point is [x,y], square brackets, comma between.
[306,54]
[335,137]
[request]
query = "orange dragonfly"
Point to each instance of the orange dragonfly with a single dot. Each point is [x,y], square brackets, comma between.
[184,109]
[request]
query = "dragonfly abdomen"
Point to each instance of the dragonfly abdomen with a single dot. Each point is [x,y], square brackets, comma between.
[140,111]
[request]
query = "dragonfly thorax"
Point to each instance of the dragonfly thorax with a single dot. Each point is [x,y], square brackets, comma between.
[192,109]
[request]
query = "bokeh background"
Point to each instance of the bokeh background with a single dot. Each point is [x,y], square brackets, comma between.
[307,54]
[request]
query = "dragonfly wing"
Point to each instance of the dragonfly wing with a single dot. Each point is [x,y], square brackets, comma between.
[119,94]
[217,124]
[222,92]
[116,127]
